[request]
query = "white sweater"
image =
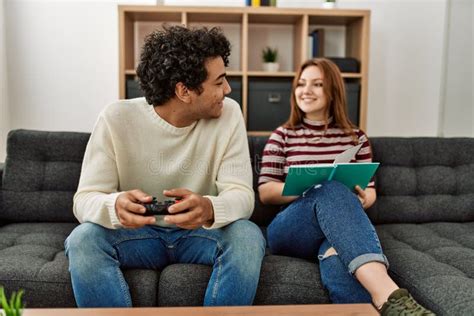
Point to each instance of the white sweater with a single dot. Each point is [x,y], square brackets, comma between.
[132,147]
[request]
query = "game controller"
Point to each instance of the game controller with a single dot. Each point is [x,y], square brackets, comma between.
[155,207]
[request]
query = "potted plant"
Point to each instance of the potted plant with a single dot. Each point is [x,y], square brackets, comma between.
[270,58]
[329,4]
[12,307]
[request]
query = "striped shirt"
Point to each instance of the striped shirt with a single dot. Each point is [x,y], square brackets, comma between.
[308,143]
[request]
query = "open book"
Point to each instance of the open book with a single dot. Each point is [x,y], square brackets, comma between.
[302,177]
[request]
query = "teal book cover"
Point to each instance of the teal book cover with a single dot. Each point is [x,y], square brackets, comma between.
[352,174]
[300,178]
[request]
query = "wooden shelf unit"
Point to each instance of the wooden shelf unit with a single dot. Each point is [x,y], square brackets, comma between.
[244,26]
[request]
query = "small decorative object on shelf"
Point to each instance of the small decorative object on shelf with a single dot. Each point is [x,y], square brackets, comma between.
[205,3]
[329,4]
[270,58]
[12,307]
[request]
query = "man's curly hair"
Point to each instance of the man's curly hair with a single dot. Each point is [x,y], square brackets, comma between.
[177,54]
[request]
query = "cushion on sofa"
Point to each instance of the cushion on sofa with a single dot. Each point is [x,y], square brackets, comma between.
[32,258]
[41,175]
[423,180]
[435,261]
[283,280]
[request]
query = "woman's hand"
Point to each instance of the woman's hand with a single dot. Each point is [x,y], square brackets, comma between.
[367,197]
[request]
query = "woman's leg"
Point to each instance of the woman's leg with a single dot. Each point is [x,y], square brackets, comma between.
[374,277]
[340,283]
[346,225]
[349,230]
[296,232]
[332,211]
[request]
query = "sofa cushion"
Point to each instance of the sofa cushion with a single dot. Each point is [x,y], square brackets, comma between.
[423,180]
[41,175]
[434,261]
[32,258]
[283,280]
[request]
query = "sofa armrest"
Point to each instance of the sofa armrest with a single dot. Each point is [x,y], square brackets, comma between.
[2,165]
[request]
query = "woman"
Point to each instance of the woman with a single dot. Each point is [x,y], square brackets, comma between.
[328,220]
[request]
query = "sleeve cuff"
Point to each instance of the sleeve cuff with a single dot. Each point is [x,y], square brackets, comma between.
[220,216]
[110,204]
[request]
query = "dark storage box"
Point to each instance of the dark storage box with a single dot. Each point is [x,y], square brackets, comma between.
[236,86]
[269,103]
[353,101]
[133,89]
[346,64]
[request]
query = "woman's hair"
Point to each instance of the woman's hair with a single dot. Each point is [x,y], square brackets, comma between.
[335,92]
[178,54]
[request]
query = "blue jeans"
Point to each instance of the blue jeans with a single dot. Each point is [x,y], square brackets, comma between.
[97,255]
[329,215]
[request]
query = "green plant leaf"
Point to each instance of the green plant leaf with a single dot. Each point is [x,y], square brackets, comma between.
[269,55]
[18,303]
[3,301]
[12,301]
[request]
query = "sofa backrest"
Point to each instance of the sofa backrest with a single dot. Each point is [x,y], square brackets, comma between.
[423,180]
[41,175]
[419,180]
[263,214]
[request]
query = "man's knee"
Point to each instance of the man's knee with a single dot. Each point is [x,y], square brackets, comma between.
[246,238]
[82,237]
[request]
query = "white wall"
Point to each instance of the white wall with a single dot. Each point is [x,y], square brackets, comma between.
[457,116]
[63,63]
[4,122]
[406,63]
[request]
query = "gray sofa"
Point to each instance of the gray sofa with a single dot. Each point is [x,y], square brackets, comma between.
[424,216]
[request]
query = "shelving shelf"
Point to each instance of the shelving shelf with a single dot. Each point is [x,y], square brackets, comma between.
[249,30]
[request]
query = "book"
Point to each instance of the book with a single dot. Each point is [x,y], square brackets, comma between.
[317,43]
[302,177]
[255,3]
[310,47]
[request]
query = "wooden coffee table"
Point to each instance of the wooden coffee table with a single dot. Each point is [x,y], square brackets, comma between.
[273,310]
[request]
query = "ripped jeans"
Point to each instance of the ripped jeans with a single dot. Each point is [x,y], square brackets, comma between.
[329,215]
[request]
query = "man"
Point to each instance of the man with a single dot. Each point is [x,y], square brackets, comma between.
[186,141]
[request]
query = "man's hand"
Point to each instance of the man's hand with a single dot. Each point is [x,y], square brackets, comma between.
[367,197]
[198,209]
[128,209]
